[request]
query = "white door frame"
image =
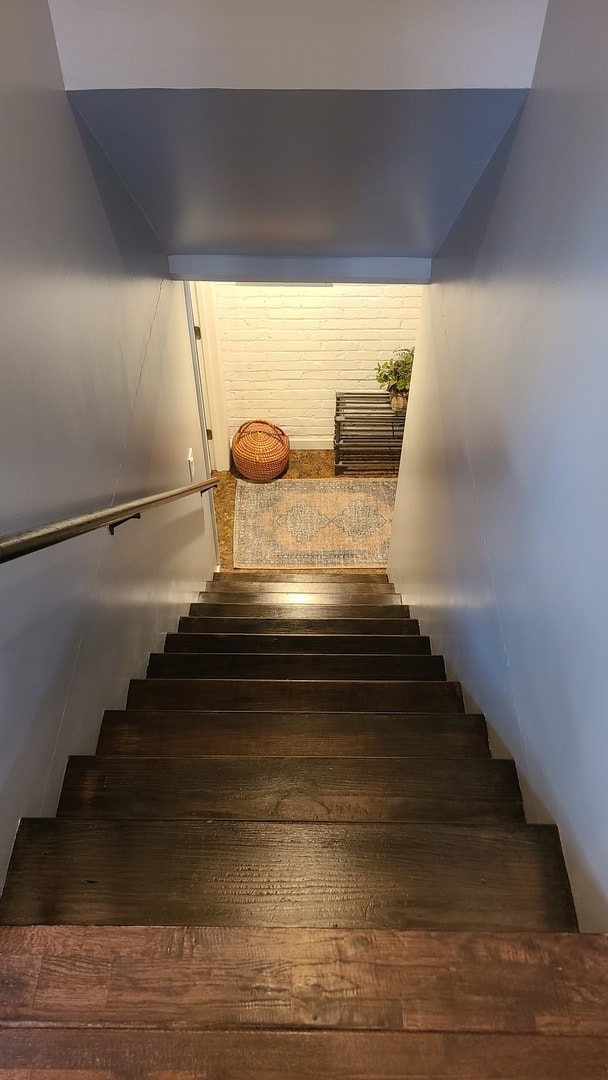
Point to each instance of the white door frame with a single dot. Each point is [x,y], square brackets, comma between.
[198,381]
[200,400]
[212,371]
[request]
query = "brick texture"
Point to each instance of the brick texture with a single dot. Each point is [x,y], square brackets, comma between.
[287,349]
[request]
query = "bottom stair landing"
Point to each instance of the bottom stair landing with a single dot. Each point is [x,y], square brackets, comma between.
[293,857]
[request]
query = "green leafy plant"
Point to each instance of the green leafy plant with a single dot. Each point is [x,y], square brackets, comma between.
[396,374]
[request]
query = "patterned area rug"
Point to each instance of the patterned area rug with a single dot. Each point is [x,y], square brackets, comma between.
[297,524]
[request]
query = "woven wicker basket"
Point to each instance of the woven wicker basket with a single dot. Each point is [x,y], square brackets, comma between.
[260,450]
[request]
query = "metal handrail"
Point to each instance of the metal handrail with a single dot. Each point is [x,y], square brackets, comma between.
[55,532]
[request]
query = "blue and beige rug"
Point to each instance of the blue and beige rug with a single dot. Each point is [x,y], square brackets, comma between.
[296,524]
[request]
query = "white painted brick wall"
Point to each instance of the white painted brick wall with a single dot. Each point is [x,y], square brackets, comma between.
[286,349]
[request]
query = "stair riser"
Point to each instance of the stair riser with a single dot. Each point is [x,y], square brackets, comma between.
[302,625]
[259,734]
[323,577]
[294,695]
[257,874]
[354,644]
[296,1055]
[218,666]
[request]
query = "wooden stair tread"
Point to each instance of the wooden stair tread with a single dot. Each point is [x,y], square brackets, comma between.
[201,609]
[376,667]
[360,883]
[284,584]
[203,978]
[293,789]
[300,598]
[185,732]
[295,1055]
[397,876]
[354,644]
[301,623]
[324,576]
[327,694]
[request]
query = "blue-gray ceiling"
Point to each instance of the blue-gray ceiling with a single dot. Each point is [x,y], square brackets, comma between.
[299,173]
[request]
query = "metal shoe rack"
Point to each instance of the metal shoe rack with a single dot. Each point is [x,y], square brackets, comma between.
[368,434]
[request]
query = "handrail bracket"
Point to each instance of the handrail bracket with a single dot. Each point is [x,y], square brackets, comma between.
[112,528]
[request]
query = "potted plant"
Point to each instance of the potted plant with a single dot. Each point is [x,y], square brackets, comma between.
[396,374]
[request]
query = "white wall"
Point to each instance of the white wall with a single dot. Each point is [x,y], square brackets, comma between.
[502,508]
[319,44]
[97,405]
[285,350]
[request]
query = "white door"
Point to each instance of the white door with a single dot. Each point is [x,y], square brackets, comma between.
[210,372]
[206,442]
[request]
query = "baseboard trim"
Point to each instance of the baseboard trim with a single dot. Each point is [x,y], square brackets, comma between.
[305,442]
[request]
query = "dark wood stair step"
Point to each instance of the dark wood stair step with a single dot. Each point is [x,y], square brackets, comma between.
[478,791]
[301,611]
[327,695]
[355,644]
[202,978]
[299,624]
[312,588]
[294,666]
[264,598]
[187,733]
[103,1054]
[299,576]
[377,876]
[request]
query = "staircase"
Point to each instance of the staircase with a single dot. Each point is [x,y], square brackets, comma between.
[291,857]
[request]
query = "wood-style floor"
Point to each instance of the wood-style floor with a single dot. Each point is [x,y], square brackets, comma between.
[293,857]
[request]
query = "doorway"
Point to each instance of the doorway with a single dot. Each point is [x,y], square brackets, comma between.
[280,352]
